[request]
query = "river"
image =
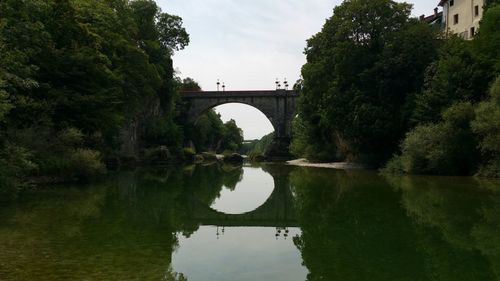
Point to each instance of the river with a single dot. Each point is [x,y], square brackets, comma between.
[268,222]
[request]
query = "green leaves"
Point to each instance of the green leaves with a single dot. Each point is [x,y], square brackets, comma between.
[83,64]
[362,70]
[445,148]
[171,33]
[487,126]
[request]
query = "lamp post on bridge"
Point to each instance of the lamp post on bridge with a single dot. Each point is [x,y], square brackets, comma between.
[218,84]
[223,87]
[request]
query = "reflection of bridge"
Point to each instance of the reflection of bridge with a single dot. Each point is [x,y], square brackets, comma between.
[279,106]
[277,211]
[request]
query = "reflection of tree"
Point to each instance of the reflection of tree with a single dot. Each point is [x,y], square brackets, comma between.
[423,228]
[457,225]
[487,232]
[232,176]
[121,230]
[207,182]
[352,228]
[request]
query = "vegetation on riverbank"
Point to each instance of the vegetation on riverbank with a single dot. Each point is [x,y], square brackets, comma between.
[73,74]
[387,84]
[256,149]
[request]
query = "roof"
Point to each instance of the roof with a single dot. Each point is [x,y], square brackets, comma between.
[432,18]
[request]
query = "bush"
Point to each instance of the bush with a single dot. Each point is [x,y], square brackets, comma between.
[394,166]
[487,126]
[162,131]
[85,164]
[446,148]
[15,164]
[308,141]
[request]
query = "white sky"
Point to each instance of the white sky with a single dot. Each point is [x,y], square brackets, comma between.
[248,44]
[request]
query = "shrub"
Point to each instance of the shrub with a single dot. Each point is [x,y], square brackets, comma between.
[15,164]
[394,166]
[85,164]
[487,126]
[446,148]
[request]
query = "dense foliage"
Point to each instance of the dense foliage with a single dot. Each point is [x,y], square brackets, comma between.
[78,69]
[452,122]
[376,78]
[447,148]
[258,146]
[361,72]
[486,125]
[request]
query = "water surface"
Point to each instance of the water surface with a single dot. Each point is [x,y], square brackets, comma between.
[254,223]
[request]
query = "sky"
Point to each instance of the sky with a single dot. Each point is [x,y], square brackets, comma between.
[247,44]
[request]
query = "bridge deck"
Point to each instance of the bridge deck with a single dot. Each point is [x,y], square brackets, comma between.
[223,94]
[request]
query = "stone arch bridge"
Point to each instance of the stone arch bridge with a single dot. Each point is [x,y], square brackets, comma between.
[279,106]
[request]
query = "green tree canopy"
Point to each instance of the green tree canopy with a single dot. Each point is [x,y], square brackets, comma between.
[361,72]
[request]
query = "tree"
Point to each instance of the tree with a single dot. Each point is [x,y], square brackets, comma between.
[233,136]
[84,65]
[487,42]
[486,125]
[189,84]
[448,147]
[171,33]
[457,76]
[361,71]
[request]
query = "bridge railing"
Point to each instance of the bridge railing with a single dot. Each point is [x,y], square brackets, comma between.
[239,93]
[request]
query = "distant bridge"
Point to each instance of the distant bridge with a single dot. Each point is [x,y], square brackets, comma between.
[279,106]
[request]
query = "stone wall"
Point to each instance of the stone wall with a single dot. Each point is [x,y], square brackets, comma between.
[130,135]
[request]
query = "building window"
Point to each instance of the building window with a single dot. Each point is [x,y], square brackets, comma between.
[455,19]
[472,32]
[452,3]
[476,10]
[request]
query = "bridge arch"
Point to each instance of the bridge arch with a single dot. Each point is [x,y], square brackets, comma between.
[278,106]
[268,115]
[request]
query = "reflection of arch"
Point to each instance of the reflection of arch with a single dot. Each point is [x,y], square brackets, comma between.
[276,211]
[278,106]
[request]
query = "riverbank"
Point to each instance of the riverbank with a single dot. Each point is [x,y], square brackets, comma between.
[302,162]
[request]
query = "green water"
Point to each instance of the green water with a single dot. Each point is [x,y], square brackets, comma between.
[254,223]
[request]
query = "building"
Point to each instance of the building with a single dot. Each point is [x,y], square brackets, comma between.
[462,16]
[435,19]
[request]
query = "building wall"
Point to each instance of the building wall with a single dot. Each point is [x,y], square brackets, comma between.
[466,16]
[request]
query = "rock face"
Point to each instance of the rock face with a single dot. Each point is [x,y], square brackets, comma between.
[233,158]
[258,158]
[130,135]
[158,155]
[209,157]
